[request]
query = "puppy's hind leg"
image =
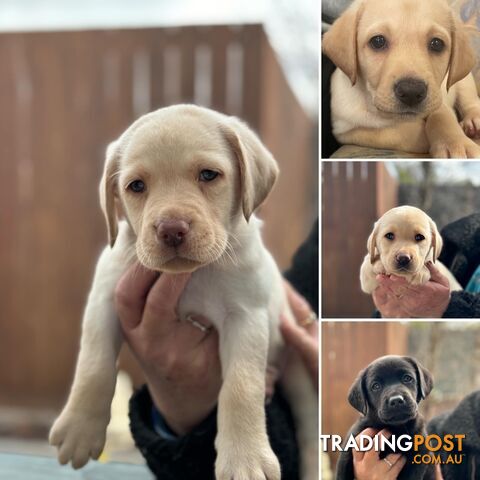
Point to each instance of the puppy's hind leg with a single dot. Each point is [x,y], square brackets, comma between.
[303,401]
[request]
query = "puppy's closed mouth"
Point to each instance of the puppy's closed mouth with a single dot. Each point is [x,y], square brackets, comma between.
[398,418]
[401,113]
[179,264]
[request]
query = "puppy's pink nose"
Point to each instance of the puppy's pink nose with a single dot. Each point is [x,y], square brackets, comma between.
[172,232]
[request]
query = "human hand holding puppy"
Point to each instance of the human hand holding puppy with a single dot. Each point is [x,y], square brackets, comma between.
[180,361]
[369,466]
[396,298]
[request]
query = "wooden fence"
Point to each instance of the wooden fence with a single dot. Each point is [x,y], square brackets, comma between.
[354,195]
[347,348]
[64,96]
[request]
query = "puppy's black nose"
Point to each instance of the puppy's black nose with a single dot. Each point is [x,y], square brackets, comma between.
[396,401]
[172,232]
[410,91]
[402,259]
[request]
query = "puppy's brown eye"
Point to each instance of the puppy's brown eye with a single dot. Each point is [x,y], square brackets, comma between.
[208,175]
[137,186]
[378,42]
[390,236]
[376,386]
[407,379]
[436,45]
[419,237]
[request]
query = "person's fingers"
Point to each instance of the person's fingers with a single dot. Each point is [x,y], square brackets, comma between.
[300,307]
[393,458]
[305,343]
[397,466]
[436,276]
[397,280]
[380,297]
[191,332]
[130,294]
[368,432]
[438,473]
[384,433]
[159,313]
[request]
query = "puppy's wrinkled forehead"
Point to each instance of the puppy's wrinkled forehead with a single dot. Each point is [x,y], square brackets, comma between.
[174,139]
[406,218]
[406,15]
[390,368]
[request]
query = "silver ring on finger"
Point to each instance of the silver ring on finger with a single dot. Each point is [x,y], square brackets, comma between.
[390,464]
[311,318]
[195,323]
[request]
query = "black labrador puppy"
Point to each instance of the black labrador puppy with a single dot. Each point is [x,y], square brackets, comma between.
[387,393]
[464,419]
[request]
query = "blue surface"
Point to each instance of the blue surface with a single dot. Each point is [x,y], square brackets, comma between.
[29,467]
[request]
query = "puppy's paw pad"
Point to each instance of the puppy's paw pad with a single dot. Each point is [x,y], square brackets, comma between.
[78,437]
[255,464]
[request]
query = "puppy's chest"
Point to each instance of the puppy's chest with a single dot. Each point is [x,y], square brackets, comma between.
[216,294]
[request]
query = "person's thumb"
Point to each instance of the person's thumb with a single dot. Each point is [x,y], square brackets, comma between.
[436,276]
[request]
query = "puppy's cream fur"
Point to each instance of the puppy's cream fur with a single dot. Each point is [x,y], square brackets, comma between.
[235,283]
[365,110]
[405,223]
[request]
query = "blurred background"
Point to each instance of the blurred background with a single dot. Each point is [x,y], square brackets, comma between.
[356,193]
[449,350]
[73,76]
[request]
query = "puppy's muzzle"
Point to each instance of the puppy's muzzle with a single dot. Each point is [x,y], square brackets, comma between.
[403,260]
[410,91]
[396,401]
[172,232]
[397,408]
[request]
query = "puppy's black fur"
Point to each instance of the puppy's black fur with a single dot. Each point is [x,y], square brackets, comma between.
[464,419]
[387,393]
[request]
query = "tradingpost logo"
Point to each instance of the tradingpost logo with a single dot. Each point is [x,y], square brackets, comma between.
[426,449]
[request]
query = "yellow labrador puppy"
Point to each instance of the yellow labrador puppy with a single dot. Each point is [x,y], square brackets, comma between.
[403,77]
[403,240]
[189,180]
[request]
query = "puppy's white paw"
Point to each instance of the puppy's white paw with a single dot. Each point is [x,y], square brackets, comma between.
[456,147]
[247,463]
[78,437]
[471,123]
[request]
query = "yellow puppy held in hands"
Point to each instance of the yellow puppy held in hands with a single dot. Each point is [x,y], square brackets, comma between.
[403,241]
[403,79]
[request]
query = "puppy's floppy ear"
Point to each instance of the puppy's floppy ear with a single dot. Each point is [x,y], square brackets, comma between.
[357,396]
[340,42]
[437,242]
[424,378]
[462,56]
[258,169]
[108,190]
[372,242]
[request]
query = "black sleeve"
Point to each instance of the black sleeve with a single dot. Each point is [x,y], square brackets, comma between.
[303,274]
[463,305]
[192,457]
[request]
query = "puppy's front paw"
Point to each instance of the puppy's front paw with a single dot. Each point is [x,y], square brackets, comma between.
[471,123]
[78,437]
[257,462]
[456,147]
